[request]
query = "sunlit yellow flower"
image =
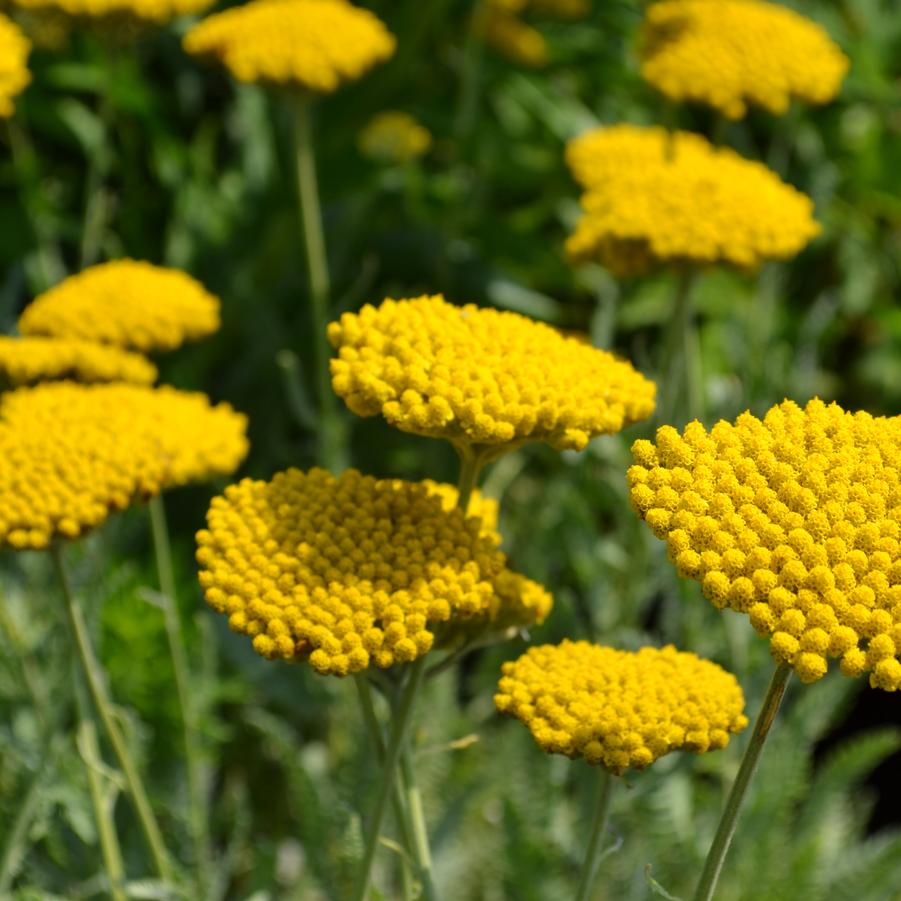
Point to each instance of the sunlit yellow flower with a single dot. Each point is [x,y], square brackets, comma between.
[348,571]
[394,137]
[680,201]
[151,11]
[795,520]
[731,53]
[14,74]
[72,454]
[24,361]
[480,376]
[314,44]
[126,303]
[621,709]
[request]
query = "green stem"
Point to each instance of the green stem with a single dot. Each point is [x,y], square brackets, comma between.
[317,269]
[197,819]
[470,76]
[471,462]
[723,838]
[93,676]
[421,851]
[679,368]
[598,827]
[399,723]
[103,814]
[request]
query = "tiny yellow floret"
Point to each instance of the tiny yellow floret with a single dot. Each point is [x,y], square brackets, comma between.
[621,709]
[732,53]
[655,198]
[126,303]
[72,454]
[317,45]
[348,572]
[481,376]
[794,519]
[394,137]
[25,361]
[14,74]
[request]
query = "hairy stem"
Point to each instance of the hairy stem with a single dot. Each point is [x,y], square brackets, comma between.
[595,838]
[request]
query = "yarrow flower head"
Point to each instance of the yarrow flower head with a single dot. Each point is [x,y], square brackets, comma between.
[155,12]
[481,376]
[795,520]
[348,572]
[14,74]
[25,361]
[126,303]
[656,199]
[72,454]
[733,53]
[621,709]
[317,45]
[394,137]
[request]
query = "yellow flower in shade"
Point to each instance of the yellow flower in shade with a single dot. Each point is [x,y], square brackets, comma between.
[621,709]
[731,53]
[795,520]
[72,454]
[14,74]
[126,303]
[510,36]
[155,12]
[394,137]
[348,571]
[481,376]
[680,201]
[313,44]
[24,361]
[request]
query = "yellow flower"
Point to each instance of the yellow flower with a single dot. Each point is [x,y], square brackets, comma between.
[349,571]
[621,709]
[510,36]
[24,361]
[394,137]
[313,44]
[481,376]
[126,303]
[654,199]
[794,520]
[156,12]
[732,53]
[72,454]
[14,74]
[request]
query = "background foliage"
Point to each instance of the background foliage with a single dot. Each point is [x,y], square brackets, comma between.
[194,171]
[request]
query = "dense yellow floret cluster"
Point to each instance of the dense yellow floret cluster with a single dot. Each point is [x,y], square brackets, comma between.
[481,376]
[394,137]
[152,11]
[314,44]
[347,571]
[126,303]
[795,520]
[14,74]
[681,202]
[24,361]
[72,454]
[621,709]
[731,53]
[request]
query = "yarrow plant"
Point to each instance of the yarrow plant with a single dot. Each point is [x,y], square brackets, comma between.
[735,53]
[394,137]
[14,74]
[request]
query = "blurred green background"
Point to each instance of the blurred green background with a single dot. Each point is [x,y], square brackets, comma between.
[189,169]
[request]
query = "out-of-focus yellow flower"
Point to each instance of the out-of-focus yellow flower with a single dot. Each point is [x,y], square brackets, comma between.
[510,36]
[795,520]
[655,199]
[127,303]
[348,571]
[394,137]
[72,454]
[621,709]
[47,28]
[155,12]
[732,53]
[14,74]
[480,376]
[24,361]
[314,44]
